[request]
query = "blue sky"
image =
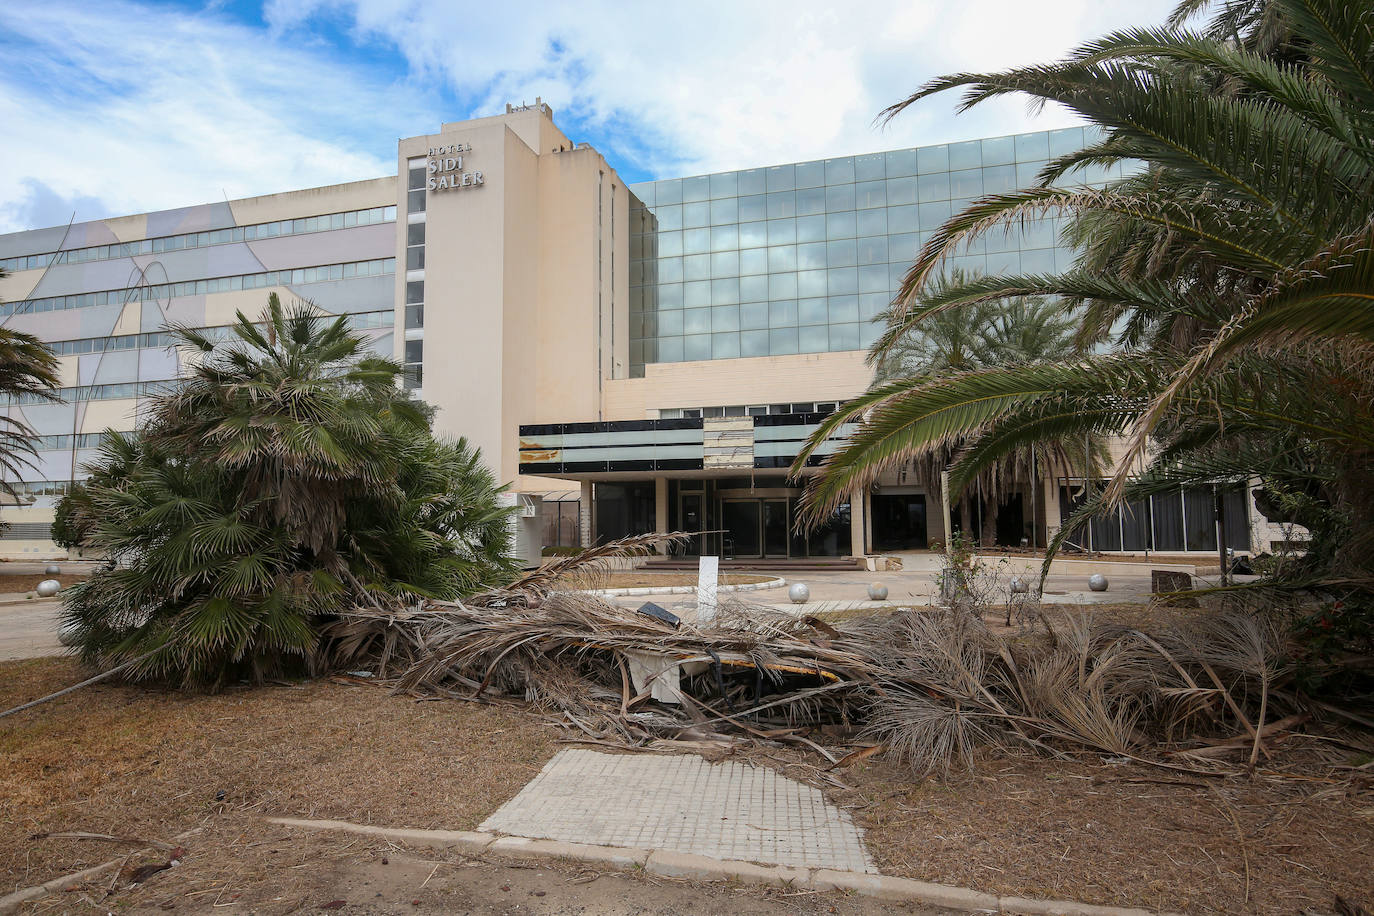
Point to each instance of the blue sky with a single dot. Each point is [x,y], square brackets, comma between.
[120,106]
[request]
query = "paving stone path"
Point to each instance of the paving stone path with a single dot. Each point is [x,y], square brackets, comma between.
[682,803]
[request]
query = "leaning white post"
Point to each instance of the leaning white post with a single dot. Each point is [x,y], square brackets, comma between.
[708,574]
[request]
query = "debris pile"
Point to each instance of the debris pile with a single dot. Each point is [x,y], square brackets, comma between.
[932,686]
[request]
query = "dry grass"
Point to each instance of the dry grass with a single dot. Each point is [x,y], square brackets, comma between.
[1123,835]
[140,762]
[145,763]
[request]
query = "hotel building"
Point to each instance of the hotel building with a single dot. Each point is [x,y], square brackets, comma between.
[630,357]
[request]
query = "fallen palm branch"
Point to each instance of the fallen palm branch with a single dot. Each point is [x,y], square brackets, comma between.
[933,687]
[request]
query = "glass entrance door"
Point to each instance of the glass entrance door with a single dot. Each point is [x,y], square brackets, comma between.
[775,528]
[740,519]
[755,527]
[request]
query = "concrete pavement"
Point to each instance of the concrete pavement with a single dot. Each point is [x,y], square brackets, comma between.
[28,629]
[730,810]
[917,584]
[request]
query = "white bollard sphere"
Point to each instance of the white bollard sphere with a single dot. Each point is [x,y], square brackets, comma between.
[1019,586]
[48,587]
[1097,582]
[798,592]
[67,635]
[52,570]
[877,592]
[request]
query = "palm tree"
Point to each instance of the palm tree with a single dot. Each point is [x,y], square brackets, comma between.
[28,368]
[1024,330]
[1234,270]
[286,479]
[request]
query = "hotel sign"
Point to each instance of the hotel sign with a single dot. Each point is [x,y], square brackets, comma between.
[446,168]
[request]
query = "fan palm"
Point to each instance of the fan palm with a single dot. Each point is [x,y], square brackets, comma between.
[1234,270]
[286,478]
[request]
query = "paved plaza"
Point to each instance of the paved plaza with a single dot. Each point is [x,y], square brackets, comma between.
[682,803]
[916,584]
[28,629]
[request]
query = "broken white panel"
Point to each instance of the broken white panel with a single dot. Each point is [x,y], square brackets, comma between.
[657,673]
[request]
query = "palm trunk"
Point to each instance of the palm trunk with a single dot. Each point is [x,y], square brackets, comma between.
[989,533]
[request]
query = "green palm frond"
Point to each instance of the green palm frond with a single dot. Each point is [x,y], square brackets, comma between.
[287,479]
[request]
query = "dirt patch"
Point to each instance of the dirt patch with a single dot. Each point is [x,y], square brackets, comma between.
[1125,835]
[638,579]
[12,583]
[152,764]
[129,761]
[261,868]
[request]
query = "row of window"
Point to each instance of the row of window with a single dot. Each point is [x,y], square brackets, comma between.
[96,392]
[872,239]
[416,185]
[783,313]
[159,339]
[836,281]
[164,291]
[67,442]
[870,195]
[27,488]
[344,220]
[973,154]
[784,283]
[905,228]
[819,338]
[752,410]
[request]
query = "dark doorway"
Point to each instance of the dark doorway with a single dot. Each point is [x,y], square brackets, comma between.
[1011,521]
[755,527]
[899,522]
[740,519]
[775,528]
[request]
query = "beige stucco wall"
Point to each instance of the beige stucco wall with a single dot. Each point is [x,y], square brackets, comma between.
[725,382]
[526,283]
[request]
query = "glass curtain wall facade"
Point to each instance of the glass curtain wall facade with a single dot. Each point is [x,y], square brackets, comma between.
[800,258]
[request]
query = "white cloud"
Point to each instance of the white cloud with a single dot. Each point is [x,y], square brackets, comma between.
[123,108]
[727,84]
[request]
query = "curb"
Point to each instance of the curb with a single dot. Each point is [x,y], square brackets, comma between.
[12,901]
[683,589]
[704,868]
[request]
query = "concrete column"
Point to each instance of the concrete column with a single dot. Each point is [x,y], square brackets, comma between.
[937,517]
[661,509]
[1050,508]
[858,521]
[584,514]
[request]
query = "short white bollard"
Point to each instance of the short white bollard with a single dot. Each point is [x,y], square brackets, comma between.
[1097,582]
[877,592]
[52,569]
[799,593]
[48,587]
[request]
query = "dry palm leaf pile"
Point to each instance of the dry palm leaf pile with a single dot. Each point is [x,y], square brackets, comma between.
[932,686]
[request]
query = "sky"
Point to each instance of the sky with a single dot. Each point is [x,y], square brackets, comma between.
[123,106]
